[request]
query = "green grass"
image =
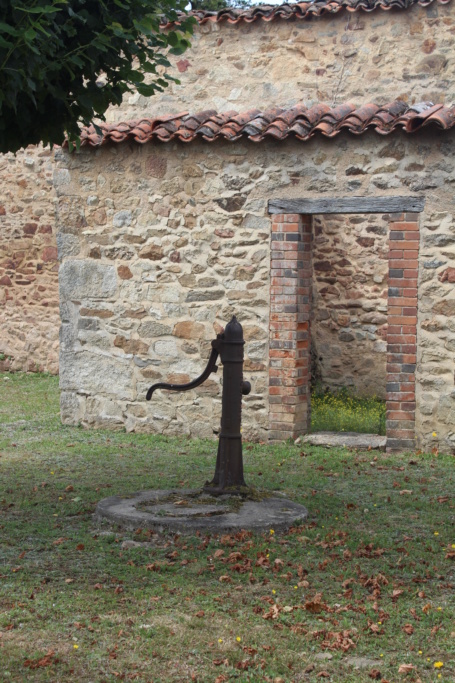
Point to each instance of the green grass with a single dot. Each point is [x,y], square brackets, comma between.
[344,412]
[370,575]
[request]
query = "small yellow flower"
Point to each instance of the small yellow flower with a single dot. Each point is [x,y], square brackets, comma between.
[272,532]
[379,622]
[420,652]
[436,533]
[295,587]
[434,434]
[220,640]
[453,545]
[238,639]
[77,646]
[273,591]
[439,609]
[439,676]
[438,665]
[60,497]
[52,473]
[381,655]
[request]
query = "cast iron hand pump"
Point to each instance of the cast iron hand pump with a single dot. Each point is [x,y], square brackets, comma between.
[229,462]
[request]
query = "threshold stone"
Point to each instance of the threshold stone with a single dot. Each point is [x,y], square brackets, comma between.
[346,440]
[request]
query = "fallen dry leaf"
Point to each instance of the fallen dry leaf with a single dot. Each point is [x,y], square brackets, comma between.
[47,660]
[315,605]
[219,662]
[200,614]
[404,492]
[406,668]
[375,674]
[409,629]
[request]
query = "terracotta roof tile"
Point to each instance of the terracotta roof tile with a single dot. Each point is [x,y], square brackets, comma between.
[299,121]
[302,10]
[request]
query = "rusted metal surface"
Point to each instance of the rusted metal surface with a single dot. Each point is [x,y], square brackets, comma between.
[228,477]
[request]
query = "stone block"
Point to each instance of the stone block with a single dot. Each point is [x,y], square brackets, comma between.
[150,329]
[80,279]
[132,346]
[188,329]
[213,295]
[67,245]
[122,218]
[166,349]
[97,374]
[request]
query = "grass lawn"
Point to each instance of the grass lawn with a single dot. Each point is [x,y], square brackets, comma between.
[364,591]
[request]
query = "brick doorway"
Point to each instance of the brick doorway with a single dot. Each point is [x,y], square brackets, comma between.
[291,312]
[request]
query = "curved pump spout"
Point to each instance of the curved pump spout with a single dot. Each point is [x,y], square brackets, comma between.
[229,345]
[211,367]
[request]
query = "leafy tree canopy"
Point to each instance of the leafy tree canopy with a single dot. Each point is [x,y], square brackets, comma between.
[63,62]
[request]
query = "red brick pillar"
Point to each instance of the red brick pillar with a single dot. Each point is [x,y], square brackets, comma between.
[290,310]
[402,331]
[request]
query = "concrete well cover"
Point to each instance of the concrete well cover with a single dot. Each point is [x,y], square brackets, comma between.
[190,510]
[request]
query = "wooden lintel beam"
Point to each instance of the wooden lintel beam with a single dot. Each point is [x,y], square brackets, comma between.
[348,205]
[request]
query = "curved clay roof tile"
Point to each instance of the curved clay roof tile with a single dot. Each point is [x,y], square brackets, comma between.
[276,123]
[300,10]
[431,115]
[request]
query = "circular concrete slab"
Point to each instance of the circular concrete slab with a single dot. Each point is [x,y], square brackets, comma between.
[190,510]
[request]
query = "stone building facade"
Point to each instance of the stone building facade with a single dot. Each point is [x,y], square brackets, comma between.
[161,242]
[29,313]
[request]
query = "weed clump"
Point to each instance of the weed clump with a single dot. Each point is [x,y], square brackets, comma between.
[342,411]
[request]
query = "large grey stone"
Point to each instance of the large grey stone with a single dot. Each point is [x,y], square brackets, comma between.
[213,295]
[256,222]
[122,218]
[166,348]
[86,279]
[97,373]
[67,245]
[151,329]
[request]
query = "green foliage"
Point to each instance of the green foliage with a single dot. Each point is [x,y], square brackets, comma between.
[343,412]
[63,62]
[217,5]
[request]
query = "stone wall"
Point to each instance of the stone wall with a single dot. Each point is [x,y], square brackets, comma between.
[350,270]
[357,57]
[159,243]
[29,316]
[159,235]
